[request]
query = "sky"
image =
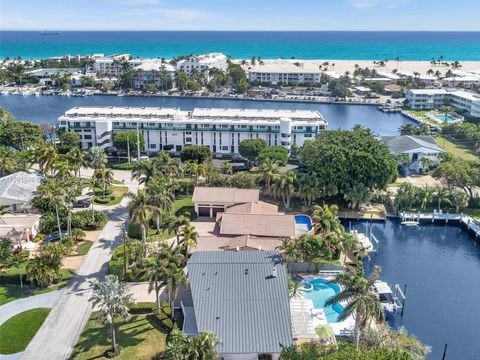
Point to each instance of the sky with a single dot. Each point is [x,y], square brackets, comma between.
[367,15]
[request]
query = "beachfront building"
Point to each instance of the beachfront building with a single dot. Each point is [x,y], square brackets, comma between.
[425,79]
[156,72]
[416,148]
[108,65]
[242,297]
[426,99]
[282,72]
[203,64]
[171,129]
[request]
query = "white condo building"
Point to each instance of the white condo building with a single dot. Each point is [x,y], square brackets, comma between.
[203,63]
[425,99]
[284,72]
[171,129]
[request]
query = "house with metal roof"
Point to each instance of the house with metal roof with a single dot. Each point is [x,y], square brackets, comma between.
[242,297]
[17,190]
[416,147]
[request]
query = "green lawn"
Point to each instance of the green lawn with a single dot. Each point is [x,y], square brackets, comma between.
[140,337]
[118,192]
[11,292]
[456,149]
[85,247]
[16,332]
[183,205]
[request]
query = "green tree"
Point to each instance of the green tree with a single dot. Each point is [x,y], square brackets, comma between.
[17,260]
[459,199]
[20,135]
[166,166]
[97,158]
[243,180]
[349,163]
[124,139]
[104,178]
[295,288]
[443,196]
[326,219]
[284,186]
[307,188]
[278,153]
[189,238]
[196,153]
[160,197]
[7,161]
[360,300]
[426,163]
[144,171]
[112,298]
[139,211]
[6,251]
[268,170]
[175,223]
[251,148]
[46,156]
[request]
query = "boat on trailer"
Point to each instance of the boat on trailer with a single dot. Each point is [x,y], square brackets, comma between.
[385,294]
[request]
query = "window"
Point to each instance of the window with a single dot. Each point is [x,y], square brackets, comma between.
[153,146]
[188,139]
[307,135]
[225,148]
[88,137]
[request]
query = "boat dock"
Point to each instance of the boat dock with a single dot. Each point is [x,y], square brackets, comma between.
[466,222]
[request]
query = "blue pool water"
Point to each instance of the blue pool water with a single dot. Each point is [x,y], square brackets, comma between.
[321,292]
[445,118]
[304,219]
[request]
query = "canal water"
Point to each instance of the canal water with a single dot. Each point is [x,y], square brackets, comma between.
[440,264]
[47,109]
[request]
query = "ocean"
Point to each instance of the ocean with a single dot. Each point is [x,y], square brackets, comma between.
[338,45]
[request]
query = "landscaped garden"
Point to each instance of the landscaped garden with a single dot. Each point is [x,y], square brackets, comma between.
[16,332]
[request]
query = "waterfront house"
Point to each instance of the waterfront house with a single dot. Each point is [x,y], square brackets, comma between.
[242,297]
[18,189]
[416,147]
[172,129]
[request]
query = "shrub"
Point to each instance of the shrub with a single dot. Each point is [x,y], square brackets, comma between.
[123,166]
[83,220]
[244,180]
[134,231]
[142,308]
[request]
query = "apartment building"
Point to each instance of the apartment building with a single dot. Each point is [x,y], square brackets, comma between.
[203,63]
[171,129]
[284,72]
[425,99]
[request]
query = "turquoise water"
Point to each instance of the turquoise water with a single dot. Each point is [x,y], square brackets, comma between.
[445,118]
[304,219]
[359,45]
[321,292]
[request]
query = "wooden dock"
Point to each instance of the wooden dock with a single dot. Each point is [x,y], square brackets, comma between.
[373,213]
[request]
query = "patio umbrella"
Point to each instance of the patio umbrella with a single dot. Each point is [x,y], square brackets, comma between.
[324,331]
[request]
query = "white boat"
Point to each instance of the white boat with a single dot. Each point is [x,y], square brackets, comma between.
[363,239]
[410,223]
[385,295]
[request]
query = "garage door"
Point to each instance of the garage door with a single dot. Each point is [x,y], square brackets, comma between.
[203,211]
[217,210]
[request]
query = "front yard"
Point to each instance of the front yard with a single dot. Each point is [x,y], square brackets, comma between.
[456,149]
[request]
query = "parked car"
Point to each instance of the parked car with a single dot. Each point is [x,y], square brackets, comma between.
[82,203]
[54,237]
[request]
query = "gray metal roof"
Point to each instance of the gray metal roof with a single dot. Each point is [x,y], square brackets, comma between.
[18,188]
[402,143]
[236,297]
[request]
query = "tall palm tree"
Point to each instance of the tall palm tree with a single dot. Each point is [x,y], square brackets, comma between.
[152,269]
[161,195]
[426,195]
[104,178]
[196,169]
[326,219]
[166,166]
[143,171]
[97,158]
[189,238]
[16,261]
[46,156]
[284,186]
[52,191]
[112,298]
[459,199]
[62,169]
[174,277]
[175,223]
[268,169]
[361,301]
[307,188]
[332,245]
[77,159]
[139,211]
[443,196]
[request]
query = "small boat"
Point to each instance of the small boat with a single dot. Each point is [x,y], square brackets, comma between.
[385,294]
[50,32]
[364,240]
[410,223]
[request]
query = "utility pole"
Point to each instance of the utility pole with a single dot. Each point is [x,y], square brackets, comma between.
[128,148]
[138,142]
[444,352]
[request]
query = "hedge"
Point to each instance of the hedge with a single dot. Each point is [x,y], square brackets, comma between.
[142,308]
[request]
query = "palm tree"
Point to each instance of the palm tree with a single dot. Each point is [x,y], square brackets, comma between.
[52,191]
[426,195]
[111,297]
[166,166]
[443,196]
[143,171]
[161,195]
[326,219]
[189,238]
[174,277]
[295,288]
[174,223]
[40,270]
[104,178]
[46,156]
[361,301]
[97,158]
[139,211]
[268,169]
[203,346]
[7,162]
[16,261]
[284,186]
[62,169]
[196,169]
[459,199]
[425,162]
[307,188]
[152,269]
[76,157]
[332,244]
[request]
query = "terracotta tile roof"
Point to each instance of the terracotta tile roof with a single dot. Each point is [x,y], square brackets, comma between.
[272,225]
[210,195]
[243,242]
[259,207]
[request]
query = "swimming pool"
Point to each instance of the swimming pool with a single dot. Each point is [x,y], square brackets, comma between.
[321,292]
[304,219]
[445,118]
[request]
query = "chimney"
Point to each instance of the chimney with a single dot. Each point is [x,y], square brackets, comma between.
[274,272]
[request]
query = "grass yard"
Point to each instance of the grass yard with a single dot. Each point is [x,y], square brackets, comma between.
[140,337]
[16,332]
[456,149]
[11,292]
[84,247]
[118,192]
